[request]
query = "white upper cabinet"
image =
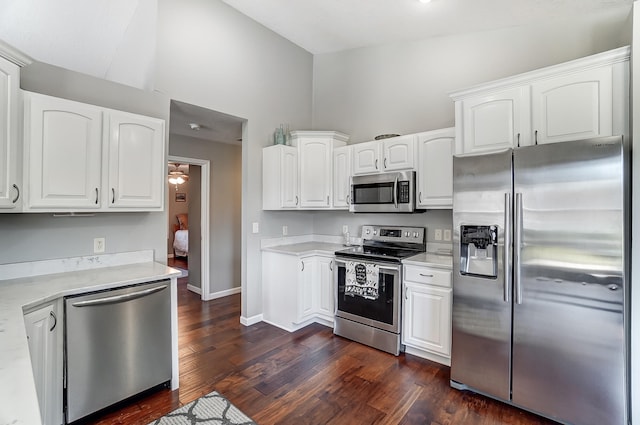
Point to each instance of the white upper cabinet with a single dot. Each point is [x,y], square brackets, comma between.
[279,177]
[10,167]
[341,177]
[80,157]
[63,153]
[393,154]
[435,169]
[571,107]
[366,158]
[495,121]
[136,152]
[584,98]
[398,153]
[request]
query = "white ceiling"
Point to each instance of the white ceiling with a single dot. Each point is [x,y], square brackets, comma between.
[323,26]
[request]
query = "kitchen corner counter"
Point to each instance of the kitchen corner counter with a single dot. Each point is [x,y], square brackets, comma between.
[306,248]
[429,259]
[17,389]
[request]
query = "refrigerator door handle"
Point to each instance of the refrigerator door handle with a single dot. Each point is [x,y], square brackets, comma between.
[507,246]
[517,241]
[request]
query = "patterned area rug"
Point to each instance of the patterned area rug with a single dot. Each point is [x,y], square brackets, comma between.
[212,409]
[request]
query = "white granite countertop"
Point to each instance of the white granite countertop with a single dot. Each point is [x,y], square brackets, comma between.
[18,400]
[306,248]
[429,259]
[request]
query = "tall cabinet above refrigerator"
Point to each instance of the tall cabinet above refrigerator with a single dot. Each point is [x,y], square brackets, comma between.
[540,291]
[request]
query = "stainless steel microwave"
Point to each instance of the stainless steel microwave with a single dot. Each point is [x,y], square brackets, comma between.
[384,193]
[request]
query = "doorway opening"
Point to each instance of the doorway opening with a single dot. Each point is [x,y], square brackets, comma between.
[210,144]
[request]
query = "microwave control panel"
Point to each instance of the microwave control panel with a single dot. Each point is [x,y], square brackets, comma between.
[403,192]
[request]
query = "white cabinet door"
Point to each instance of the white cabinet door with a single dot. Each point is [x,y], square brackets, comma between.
[279,177]
[10,167]
[435,168]
[574,106]
[325,286]
[341,177]
[398,153]
[44,333]
[315,157]
[495,121]
[136,161]
[307,288]
[427,318]
[63,153]
[366,158]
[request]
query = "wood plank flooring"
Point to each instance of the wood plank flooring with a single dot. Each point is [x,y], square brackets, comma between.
[306,377]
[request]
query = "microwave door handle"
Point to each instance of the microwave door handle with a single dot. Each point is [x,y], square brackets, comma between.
[395,192]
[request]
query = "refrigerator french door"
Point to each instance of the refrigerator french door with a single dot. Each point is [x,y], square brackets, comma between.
[539,291]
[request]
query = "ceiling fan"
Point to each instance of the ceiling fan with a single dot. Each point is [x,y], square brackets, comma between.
[176,176]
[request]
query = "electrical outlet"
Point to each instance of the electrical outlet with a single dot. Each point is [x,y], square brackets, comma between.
[285,230]
[447,235]
[256,227]
[438,234]
[98,245]
[345,229]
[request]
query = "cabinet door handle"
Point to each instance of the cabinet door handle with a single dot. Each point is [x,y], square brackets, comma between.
[518,138]
[327,199]
[17,194]
[406,293]
[419,196]
[376,164]
[348,199]
[426,275]
[97,196]
[55,321]
[113,195]
[296,199]
[385,163]
[536,136]
[302,269]
[331,265]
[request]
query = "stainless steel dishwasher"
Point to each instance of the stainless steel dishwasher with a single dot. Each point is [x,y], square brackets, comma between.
[117,344]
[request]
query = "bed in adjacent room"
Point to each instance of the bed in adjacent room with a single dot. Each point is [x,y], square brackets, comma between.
[181,236]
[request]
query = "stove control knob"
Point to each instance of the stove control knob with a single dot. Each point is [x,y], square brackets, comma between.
[368,231]
[407,234]
[375,232]
[415,234]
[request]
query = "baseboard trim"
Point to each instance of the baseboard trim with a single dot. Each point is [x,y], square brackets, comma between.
[248,321]
[195,289]
[224,293]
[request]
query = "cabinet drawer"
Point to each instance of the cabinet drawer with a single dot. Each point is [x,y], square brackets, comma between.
[427,276]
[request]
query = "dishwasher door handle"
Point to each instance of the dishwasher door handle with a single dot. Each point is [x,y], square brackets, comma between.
[119,298]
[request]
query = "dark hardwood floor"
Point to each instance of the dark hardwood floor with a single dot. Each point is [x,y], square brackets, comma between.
[306,377]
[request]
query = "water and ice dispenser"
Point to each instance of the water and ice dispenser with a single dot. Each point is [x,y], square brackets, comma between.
[479,251]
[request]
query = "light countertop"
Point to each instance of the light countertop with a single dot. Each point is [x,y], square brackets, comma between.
[306,248]
[428,259]
[18,400]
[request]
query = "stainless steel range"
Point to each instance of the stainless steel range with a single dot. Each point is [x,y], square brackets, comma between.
[369,278]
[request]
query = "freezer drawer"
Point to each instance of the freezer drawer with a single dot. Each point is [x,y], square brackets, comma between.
[117,344]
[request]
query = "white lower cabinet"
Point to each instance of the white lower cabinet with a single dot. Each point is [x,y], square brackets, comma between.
[44,332]
[426,313]
[297,291]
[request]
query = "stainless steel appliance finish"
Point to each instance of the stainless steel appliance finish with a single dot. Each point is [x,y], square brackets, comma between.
[376,322]
[384,193]
[117,344]
[540,306]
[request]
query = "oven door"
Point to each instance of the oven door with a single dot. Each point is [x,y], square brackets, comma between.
[385,192]
[383,312]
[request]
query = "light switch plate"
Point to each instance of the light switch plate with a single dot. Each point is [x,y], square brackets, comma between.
[447,235]
[438,235]
[285,230]
[256,227]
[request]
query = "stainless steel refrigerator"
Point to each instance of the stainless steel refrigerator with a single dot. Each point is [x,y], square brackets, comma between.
[540,289]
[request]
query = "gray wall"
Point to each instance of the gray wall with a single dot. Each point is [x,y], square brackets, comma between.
[404,88]
[39,236]
[212,56]
[224,206]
